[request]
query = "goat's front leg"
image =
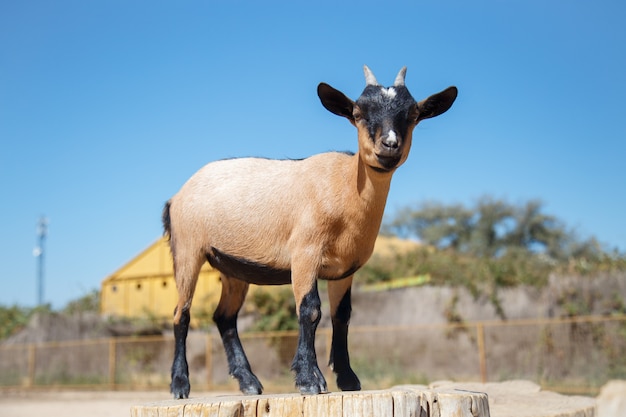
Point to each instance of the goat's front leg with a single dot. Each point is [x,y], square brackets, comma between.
[309,378]
[340,309]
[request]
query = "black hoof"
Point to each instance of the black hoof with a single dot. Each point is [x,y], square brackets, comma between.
[312,382]
[249,384]
[348,381]
[180,387]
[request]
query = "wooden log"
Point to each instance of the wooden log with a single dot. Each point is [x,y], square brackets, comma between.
[525,399]
[411,401]
[443,399]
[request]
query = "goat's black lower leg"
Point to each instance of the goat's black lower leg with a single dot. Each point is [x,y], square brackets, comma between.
[339,358]
[180,371]
[238,364]
[309,378]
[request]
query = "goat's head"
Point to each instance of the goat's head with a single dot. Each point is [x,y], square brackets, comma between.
[385,117]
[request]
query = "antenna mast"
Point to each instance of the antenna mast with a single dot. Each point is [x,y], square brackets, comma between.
[42,231]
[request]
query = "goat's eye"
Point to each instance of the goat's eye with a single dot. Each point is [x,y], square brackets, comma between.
[358,116]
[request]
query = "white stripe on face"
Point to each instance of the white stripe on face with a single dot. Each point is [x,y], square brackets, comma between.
[391,137]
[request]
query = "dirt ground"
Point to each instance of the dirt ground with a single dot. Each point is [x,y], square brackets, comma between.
[78,403]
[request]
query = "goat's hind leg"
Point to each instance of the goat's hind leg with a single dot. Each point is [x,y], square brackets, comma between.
[180,386]
[225,317]
[339,293]
[186,272]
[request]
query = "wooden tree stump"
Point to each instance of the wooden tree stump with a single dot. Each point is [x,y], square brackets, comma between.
[444,399]
[397,402]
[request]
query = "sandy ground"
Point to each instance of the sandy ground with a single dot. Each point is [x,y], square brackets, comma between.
[78,403]
[506,399]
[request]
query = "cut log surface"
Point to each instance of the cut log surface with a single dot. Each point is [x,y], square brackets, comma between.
[525,399]
[444,399]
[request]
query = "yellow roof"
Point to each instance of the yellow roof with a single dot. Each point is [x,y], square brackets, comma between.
[154,261]
[387,246]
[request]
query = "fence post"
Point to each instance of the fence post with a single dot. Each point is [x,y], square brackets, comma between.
[31,365]
[328,332]
[482,359]
[112,361]
[209,360]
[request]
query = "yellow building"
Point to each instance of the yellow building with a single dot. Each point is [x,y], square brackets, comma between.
[145,286]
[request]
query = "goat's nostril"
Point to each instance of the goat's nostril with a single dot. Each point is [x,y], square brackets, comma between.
[390,140]
[390,143]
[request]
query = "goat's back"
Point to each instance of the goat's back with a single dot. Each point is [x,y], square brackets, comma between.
[250,207]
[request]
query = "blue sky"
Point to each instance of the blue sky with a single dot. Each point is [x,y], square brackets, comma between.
[107,107]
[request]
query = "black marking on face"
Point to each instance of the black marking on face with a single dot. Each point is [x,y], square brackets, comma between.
[386,110]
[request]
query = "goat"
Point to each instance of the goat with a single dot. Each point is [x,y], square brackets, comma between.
[273,222]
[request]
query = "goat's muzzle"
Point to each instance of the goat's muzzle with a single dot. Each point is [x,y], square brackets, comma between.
[389,152]
[389,160]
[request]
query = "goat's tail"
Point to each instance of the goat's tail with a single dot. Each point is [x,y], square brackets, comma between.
[167,227]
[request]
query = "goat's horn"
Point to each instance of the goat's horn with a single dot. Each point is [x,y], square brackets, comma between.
[400,78]
[369,76]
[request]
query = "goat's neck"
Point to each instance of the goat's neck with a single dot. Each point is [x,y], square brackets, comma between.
[372,187]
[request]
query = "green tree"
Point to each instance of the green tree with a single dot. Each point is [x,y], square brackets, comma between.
[15,318]
[88,303]
[435,224]
[12,319]
[276,309]
[492,228]
[488,230]
[535,230]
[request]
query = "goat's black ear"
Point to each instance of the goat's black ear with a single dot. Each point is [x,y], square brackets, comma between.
[437,103]
[335,101]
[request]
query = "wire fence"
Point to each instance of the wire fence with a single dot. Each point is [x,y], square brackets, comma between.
[575,355]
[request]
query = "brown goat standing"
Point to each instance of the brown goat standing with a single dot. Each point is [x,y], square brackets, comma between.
[274,222]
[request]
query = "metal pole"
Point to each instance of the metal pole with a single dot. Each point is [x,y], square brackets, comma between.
[42,230]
